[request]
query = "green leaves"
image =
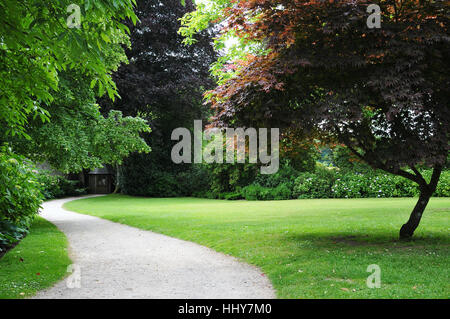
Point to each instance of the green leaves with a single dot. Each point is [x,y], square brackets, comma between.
[20,198]
[37,44]
[117,137]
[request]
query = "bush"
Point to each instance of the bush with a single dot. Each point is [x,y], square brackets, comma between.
[252,192]
[163,184]
[258,192]
[55,186]
[20,197]
[12,233]
[282,191]
[226,178]
[193,181]
[285,175]
[315,185]
[331,183]
[350,185]
[233,196]
[379,184]
[443,188]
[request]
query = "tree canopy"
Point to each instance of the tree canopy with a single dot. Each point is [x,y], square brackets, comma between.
[52,73]
[38,43]
[383,92]
[55,58]
[163,83]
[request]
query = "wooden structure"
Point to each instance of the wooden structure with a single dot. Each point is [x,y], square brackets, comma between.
[100,181]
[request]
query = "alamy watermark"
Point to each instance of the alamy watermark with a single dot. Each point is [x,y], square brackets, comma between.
[235,146]
[74,20]
[374,19]
[74,280]
[374,280]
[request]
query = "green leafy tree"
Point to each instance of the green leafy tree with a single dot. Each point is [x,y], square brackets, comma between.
[116,137]
[37,43]
[163,83]
[55,57]
[78,136]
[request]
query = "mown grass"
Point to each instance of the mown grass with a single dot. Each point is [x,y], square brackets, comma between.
[39,261]
[308,248]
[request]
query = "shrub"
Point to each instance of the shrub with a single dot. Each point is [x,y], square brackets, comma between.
[330,183]
[233,196]
[443,188]
[20,196]
[315,185]
[163,185]
[225,178]
[193,181]
[69,187]
[55,186]
[350,185]
[285,175]
[380,184]
[282,191]
[11,233]
[252,192]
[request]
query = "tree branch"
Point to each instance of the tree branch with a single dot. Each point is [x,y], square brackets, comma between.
[435,177]
[418,174]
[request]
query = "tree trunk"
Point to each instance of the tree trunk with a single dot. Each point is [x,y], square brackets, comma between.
[407,230]
[117,188]
[426,191]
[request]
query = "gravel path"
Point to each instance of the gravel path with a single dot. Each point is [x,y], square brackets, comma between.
[119,261]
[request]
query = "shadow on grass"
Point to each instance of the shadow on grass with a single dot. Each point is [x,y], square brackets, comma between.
[326,240]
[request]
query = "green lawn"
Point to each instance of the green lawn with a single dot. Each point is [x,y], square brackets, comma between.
[39,261]
[308,248]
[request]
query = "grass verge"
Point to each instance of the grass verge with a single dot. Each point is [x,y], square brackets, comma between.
[308,248]
[39,261]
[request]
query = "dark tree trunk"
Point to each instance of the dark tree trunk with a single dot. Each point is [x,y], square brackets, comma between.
[117,188]
[408,229]
[426,191]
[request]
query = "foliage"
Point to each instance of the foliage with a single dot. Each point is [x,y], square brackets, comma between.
[314,185]
[254,192]
[285,174]
[344,159]
[224,178]
[333,183]
[138,179]
[193,181]
[282,191]
[37,45]
[324,72]
[118,136]
[336,184]
[56,186]
[233,196]
[163,83]
[229,46]
[79,136]
[258,192]
[20,199]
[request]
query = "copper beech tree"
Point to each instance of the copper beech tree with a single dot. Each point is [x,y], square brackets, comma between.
[382,92]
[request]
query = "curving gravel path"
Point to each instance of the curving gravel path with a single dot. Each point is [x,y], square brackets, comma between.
[119,261]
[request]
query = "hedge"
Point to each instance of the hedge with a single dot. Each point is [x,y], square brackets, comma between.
[331,183]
